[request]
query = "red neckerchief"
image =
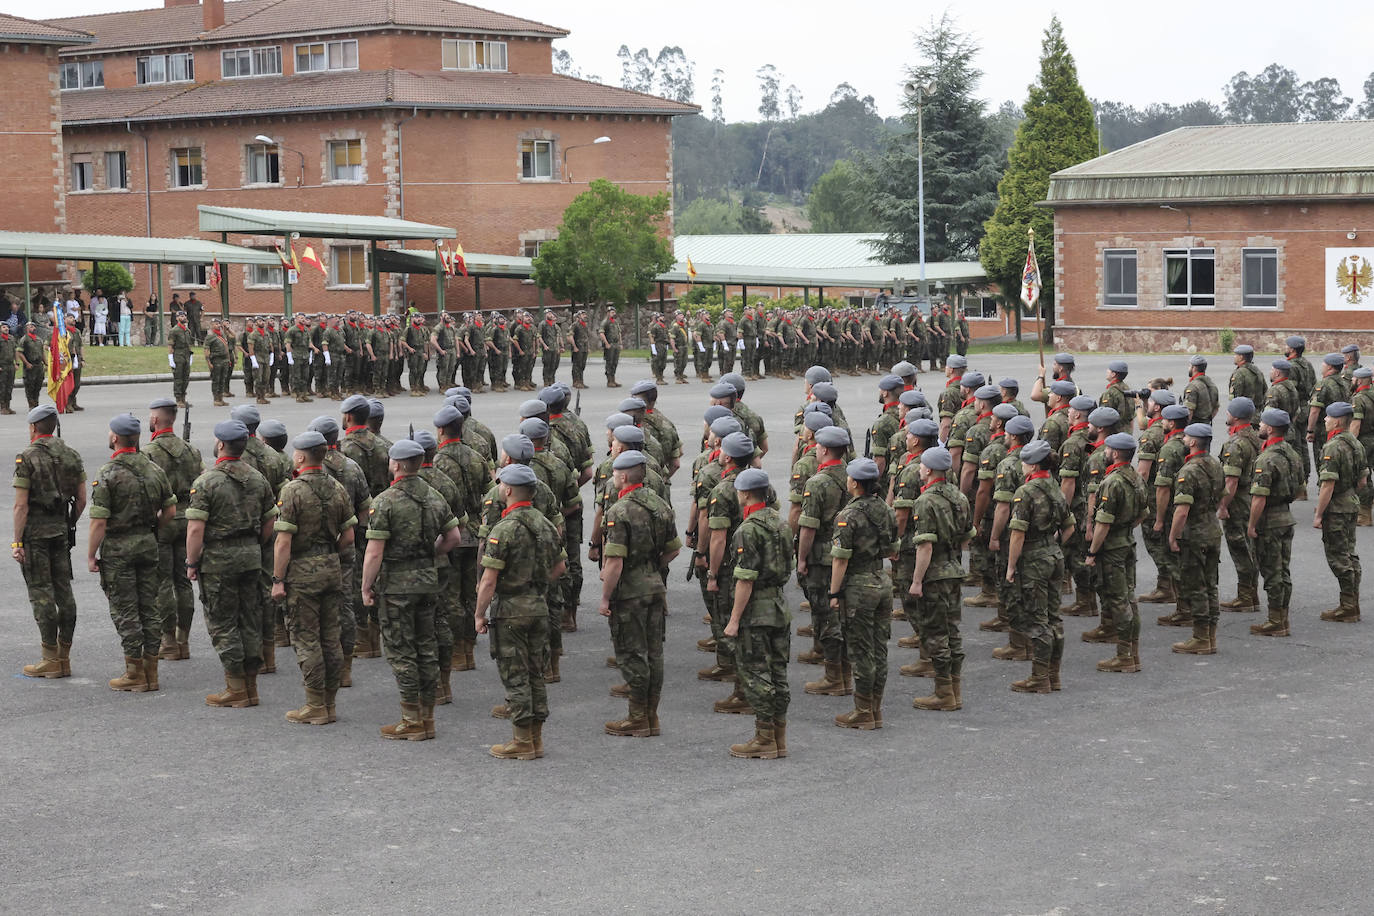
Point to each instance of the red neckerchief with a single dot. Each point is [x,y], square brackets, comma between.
[728,474]
[628,490]
[905,459]
[122,451]
[648,410]
[260,331]
[513,506]
[1000,432]
[891,404]
[752,507]
[1113,467]
[41,436]
[810,446]
[1361,388]
[548,321]
[447,441]
[611,320]
[1075,427]
[1171,433]
[1056,410]
[161,432]
[309,467]
[226,458]
[932,483]
[715,456]
[983,415]
[1271,441]
[582,323]
[1237,427]
[218,332]
[828,464]
[1154,420]
[353,429]
[1194,373]
[1037,475]
[32,336]
[396,480]
[428,464]
[967,401]
[1192,455]
[1333,434]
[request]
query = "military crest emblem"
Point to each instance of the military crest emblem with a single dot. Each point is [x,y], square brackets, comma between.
[1354,277]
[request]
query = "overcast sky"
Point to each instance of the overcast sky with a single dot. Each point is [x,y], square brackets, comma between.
[1167,50]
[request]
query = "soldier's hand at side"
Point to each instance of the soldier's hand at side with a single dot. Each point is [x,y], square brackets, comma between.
[481,623]
[1011,575]
[1173,545]
[994,544]
[370,597]
[1251,533]
[732,629]
[605,609]
[1316,520]
[1159,526]
[93,564]
[712,584]
[1090,561]
[278,591]
[917,589]
[802,569]
[18,554]
[1224,513]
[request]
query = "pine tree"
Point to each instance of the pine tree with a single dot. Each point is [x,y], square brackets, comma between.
[1057,132]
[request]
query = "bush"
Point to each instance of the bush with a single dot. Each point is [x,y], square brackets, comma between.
[1226,339]
[114,279]
[708,297]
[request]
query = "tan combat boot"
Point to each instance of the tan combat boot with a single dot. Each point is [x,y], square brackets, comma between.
[812,656]
[909,642]
[1366,516]
[716,673]
[1162,594]
[1245,602]
[314,712]
[49,667]
[876,704]
[346,672]
[634,725]
[250,683]
[620,691]
[1199,644]
[831,684]
[234,695]
[986,597]
[443,690]
[283,636]
[500,712]
[780,736]
[1211,637]
[806,631]
[520,746]
[150,671]
[735,704]
[537,738]
[570,620]
[551,672]
[1084,605]
[1037,682]
[64,655]
[1276,625]
[410,728]
[763,746]
[329,697]
[861,717]
[655,729]
[922,668]
[1104,632]
[942,700]
[427,718]
[269,658]
[169,650]
[1124,662]
[459,660]
[707,645]
[1017,648]
[999,624]
[1348,611]
[132,680]
[1056,660]
[469,646]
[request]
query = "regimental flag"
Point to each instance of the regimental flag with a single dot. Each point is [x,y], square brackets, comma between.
[458,261]
[212,276]
[308,257]
[285,261]
[444,263]
[60,380]
[1030,278]
[691,270]
[295,262]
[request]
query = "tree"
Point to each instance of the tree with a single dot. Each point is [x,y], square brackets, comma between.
[962,157]
[717,91]
[636,70]
[708,216]
[1058,132]
[563,64]
[751,218]
[838,202]
[1122,125]
[675,75]
[113,279]
[794,101]
[610,246]
[1366,109]
[769,86]
[1324,101]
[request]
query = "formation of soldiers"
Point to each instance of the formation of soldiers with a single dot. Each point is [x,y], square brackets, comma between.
[344,544]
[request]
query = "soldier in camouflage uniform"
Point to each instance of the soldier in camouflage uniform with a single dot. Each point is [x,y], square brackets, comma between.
[658,347]
[885,428]
[1009,477]
[552,465]
[1238,455]
[641,540]
[982,563]
[610,338]
[182,464]
[823,496]
[1332,387]
[761,563]
[581,341]
[1035,565]
[1343,471]
[299,350]
[366,449]
[551,341]
[1351,354]
[941,524]
[1247,381]
[1118,396]
[1200,395]
[346,471]
[1072,463]
[1119,505]
[314,525]
[130,500]
[1305,378]
[472,475]
[921,433]
[1362,400]
[49,495]
[1055,429]
[860,590]
[33,353]
[976,437]
[723,516]
[449,604]
[1278,471]
[498,351]
[230,517]
[1283,394]
[1159,455]
[1195,536]
[409,528]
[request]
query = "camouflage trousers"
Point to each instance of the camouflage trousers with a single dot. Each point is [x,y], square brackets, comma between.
[1157,546]
[1116,591]
[761,656]
[824,621]
[979,557]
[181,377]
[572,546]
[1039,577]
[448,609]
[419,367]
[1008,595]
[658,362]
[612,357]
[1075,552]
[701,359]
[937,615]
[637,630]
[314,602]
[725,357]
[903,569]
[1338,541]
[680,363]
[497,368]
[519,646]
[299,374]
[1199,566]
[131,584]
[1241,548]
[48,577]
[348,601]
[1274,555]
[867,629]
[718,607]
[550,363]
[466,577]
[233,617]
[176,601]
[411,647]
[579,365]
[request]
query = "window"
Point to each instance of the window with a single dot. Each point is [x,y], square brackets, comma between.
[86,74]
[116,170]
[346,160]
[166,68]
[83,175]
[187,167]
[264,275]
[978,308]
[1190,277]
[251,62]
[460,54]
[530,249]
[327,55]
[264,164]
[1260,278]
[1118,276]
[536,158]
[189,275]
[347,266]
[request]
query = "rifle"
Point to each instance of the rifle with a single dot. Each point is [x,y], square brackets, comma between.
[412,431]
[577,408]
[868,444]
[186,426]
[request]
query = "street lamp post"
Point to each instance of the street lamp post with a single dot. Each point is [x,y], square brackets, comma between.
[263,138]
[919,91]
[567,176]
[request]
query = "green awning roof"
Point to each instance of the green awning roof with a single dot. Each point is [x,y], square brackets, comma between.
[317,225]
[127,249]
[421,261]
[938,274]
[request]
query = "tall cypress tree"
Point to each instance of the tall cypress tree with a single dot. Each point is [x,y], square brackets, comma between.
[1057,132]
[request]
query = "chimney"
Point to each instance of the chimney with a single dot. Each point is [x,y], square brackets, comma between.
[213,13]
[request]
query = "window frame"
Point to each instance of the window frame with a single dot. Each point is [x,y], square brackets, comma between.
[123,161]
[1120,254]
[487,49]
[328,47]
[256,273]
[361,175]
[175,183]
[1247,255]
[1190,256]
[525,247]
[534,161]
[342,253]
[255,56]
[983,303]
[142,63]
[84,166]
[268,152]
[200,272]
[79,70]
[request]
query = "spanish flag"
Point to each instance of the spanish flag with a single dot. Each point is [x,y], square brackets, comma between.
[309,258]
[60,380]
[691,270]
[285,261]
[459,261]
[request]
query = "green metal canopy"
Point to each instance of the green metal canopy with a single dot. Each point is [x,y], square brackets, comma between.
[423,261]
[317,225]
[60,246]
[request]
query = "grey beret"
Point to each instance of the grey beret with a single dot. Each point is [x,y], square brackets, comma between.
[819,407]
[630,404]
[552,395]
[1019,426]
[533,408]
[620,419]
[628,435]
[272,429]
[230,431]
[1334,359]
[1064,388]
[923,428]
[914,397]
[833,437]
[712,414]
[1163,397]
[643,386]
[1350,348]
[1197,359]
[724,426]
[1296,342]
[356,403]
[972,380]
[450,392]
[41,412]
[1363,372]
[723,390]
[1035,451]
[517,475]
[1082,402]
[426,439]
[406,448]
[988,393]
[957,362]
[375,408]
[328,426]
[447,416]
[458,402]
[311,438]
[817,374]
[815,420]
[163,404]
[1064,359]
[825,391]
[1102,417]
[535,428]
[247,413]
[1198,430]
[732,378]
[125,424]
[1282,365]
[891,383]
[1241,408]
[937,459]
[1009,383]
[1339,409]
[1275,417]
[737,445]
[1119,367]
[631,458]
[1176,412]
[904,369]
[751,479]
[518,448]
[863,469]
[1122,442]
[1005,412]
[1244,350]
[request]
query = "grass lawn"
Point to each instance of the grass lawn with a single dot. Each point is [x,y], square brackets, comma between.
[131,360]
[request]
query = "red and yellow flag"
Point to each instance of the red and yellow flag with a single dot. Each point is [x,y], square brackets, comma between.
[308,257]
[458,260]
[691,270]
[60,380]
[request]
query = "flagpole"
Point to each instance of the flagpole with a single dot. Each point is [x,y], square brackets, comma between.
[1039,334]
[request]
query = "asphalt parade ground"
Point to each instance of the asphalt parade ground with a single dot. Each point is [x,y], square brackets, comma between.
[1235,783]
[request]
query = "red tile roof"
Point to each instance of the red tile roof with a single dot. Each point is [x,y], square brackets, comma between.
[19,29]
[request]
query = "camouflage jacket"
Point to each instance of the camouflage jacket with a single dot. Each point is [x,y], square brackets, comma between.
[523,548]
[234,501]
[53,473]
[1199,485]
[760,551]
[409,516]
[865,535]
[640,528]
[943,519]
[129,492]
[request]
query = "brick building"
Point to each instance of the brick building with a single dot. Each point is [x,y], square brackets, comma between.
[1265,229]
[427,110]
